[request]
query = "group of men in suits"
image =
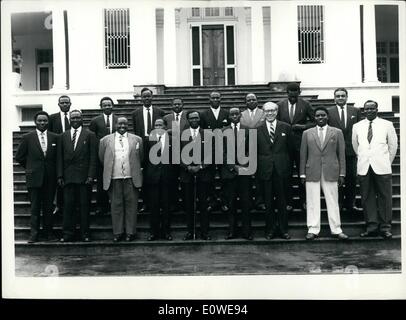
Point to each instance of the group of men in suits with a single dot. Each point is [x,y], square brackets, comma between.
[327,147]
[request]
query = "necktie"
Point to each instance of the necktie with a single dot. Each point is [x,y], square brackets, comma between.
[159,153]
[252,115]
[291,113]
[342,118]
[321,136]
[67,125]
[370,132]
[74,138]
[194,134]
[272,133]
[120,139]
[149,121]
[43,145]
[177,117]
[108,124]
[235,141]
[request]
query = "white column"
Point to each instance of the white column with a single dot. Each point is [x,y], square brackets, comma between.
[170,65]
[370,64]
[257,44]
[58,43]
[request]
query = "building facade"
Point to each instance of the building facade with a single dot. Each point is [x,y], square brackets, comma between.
[89,49]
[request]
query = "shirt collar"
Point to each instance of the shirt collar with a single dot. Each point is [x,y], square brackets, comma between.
[325,127]
[125,135]
[39,132]
[78,129]
[344,107]
[145,108]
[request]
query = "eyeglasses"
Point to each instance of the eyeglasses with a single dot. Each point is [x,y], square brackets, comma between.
[270,111]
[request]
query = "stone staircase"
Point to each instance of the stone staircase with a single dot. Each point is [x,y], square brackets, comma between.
[197,98]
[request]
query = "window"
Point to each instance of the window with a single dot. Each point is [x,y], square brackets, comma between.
[28,111]
[310,34]
[212,12]
[228,11]
[195,12]
[117,38]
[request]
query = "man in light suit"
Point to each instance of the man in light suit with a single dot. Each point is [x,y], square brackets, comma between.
[143,122]
[176,122]
[252,118]
[273,171]
[343,117]
[37,154]
[103,125]
[375,142]
[76,170]
[59,123]
[122,154]
[322,165]
[298,113]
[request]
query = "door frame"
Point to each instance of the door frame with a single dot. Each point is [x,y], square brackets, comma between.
[200,24]
[50,67]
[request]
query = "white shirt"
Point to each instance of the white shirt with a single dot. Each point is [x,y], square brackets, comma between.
[235,125]
[323,131]
[253,112]
[145,116]
[215,112]
[121,157]
[192,131]
[345,113]
[62,114]
[163,138]
[179,116]
[110,119]
[39,133]
[79,130]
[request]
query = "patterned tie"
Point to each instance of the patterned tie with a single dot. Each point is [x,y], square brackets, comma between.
[43,144]
[342,117]
[67,125]
[252,115]
[74,138]
[177,117]
[120,139]
[321,136]
[108,124]
[194,134]
[235,141]
[149,121]
[272,133]
[291,114]
[370,132]
[159,153]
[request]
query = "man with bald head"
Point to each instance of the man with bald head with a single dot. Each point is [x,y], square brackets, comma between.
[274,142]
[122,154]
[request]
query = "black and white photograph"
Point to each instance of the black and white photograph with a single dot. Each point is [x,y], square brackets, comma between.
[202,149]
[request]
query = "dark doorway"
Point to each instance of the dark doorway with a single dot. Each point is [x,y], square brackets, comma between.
[213,55]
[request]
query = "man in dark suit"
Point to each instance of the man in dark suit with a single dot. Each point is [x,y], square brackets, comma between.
[343,117]
[176,123]
[102,125]
[213,118]
[159,176]
[58,123]
[274,142]
[195,175]
[76,170]
[235,183]
[143,122]
[37,154]
[298,113]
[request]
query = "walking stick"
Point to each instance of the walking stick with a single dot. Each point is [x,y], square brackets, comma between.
[194,206]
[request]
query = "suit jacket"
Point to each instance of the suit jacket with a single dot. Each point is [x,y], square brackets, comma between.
[158,173]
[98,126]
[303,115]
[329,158]
[274,156]
[229,171]
[183,121]
[208,121]
[54,124]
[258,120]
[37,166]
[136,155]
[207,173]
[75,166]
[138,120]
[353,116]
[380,153]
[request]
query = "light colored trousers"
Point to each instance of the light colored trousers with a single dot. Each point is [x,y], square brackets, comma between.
[330,191]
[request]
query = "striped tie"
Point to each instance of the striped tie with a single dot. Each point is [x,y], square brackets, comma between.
[272,133]
[370,132]
[43,145]
[74,138]
[120,139]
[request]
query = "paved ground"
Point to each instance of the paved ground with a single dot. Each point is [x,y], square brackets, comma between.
[216,259]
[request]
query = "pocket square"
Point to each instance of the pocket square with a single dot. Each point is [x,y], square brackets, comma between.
[283,134]
[352,117]
[54,144]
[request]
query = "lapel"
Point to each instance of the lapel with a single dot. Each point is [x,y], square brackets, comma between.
[68,140]
[336,116]
[183,121]
[141,120]
[298,110]
[265,133]
[329,132]
[277,131]
[38,143]
[49,145]
[211,117]
[81,138]
[131,146]
[111,143]
[316,137]
[257,116]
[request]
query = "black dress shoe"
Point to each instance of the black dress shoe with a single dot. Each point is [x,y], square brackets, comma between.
[369,234]
[225,208]
[229,236]
[188,236]
[86,239]
[340,236]
[32,240]
[270,236]
[285,236]
[311,236]
[249,237]
[386,235]
[57,211]
[143,209]
[357,209]
[206,237]
[130,237]
[289,208]
[261,207]
[168,237]
[66,239]
[209,209]
[152,238]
